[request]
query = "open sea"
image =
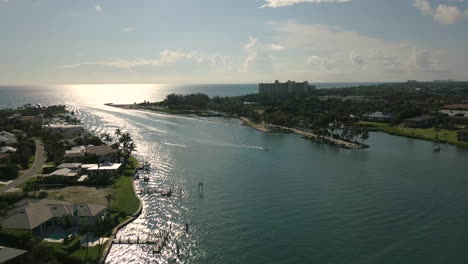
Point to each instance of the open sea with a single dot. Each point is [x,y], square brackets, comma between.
[300,202]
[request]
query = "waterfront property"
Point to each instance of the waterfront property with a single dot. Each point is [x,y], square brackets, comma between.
[103,153]
[420,121]
[67,130]
[7,253]
[379,117]
[463,135]
[287,88]
[38,216]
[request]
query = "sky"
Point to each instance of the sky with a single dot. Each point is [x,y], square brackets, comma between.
[231,41]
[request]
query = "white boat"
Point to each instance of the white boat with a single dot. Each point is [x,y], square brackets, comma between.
[436,148]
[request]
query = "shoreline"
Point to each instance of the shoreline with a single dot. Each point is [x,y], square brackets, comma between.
[266,128]
[262,127]
[116,229]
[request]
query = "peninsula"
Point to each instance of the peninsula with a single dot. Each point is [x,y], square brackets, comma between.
[435,111]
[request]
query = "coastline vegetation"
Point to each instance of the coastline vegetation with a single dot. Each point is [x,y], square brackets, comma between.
[333,113]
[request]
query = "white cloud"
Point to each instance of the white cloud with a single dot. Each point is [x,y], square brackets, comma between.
[251,48]
[98,8]
[447,15]
[338,50]
[281,3]
[166,57]
[277,47]
[424,6]
[356,58]
[128,29]
[443,14]
[426,61]
[325,63]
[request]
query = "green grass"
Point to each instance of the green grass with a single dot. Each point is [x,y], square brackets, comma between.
[31,161]
[92,252]
[77,254]
[32,180]
[125,199]
[443,136]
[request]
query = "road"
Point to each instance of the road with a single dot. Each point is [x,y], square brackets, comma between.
[37,166]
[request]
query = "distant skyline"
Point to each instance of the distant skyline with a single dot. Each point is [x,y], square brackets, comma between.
[225,41]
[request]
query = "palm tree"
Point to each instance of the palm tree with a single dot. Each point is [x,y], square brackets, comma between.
[118,132]
[109,197]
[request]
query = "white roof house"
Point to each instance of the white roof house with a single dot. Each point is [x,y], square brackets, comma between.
[64,172]
[8,138]
[7,149]
[105,166]
[71,166]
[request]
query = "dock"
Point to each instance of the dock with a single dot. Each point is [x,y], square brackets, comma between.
[158,241]
[163,192]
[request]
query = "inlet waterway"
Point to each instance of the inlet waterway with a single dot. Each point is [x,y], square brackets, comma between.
[300,202]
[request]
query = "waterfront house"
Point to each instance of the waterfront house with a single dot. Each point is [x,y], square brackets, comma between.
[103,169]
[420,121]
[7,254]
[68,131]
[379,117]
[37,215]
[459,120]
[103,153]
[7,138]
[463,135]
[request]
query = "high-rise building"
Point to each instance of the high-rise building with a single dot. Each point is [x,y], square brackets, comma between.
[287,88]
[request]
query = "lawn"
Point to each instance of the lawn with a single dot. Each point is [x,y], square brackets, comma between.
[443,136]
[31,161]
[32,180]
[78,254]
[125,199]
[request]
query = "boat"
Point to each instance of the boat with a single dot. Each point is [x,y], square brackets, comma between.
[146,178]
[436,148]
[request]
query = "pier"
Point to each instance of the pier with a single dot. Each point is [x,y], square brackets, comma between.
[163,192]
[158,241]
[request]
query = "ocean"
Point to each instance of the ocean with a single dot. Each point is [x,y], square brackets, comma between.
[300,202]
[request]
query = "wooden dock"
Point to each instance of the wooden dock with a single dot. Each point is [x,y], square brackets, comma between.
[163,192]
[158,241]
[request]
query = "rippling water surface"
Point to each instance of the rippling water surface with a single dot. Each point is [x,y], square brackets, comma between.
[301,202]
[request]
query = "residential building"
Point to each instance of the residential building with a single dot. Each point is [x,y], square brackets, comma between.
[68,131]
[463,135]
[459,120]
[420,121]
[379,117]
[7,254]
[287,88]
[7,149]
[75,153]
[38,215]
[7,138]
[104,152]
[103,169]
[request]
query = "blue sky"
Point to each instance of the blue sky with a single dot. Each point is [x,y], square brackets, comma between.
[231,41]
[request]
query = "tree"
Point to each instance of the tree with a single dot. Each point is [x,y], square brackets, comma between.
[109,197]
[118,132]
[43,195]
[4,208]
